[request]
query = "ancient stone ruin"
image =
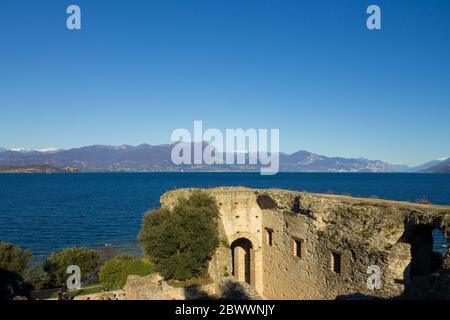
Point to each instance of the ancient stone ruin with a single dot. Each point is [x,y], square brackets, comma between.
[295,245]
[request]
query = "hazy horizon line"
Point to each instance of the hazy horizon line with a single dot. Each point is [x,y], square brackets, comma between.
[55,149]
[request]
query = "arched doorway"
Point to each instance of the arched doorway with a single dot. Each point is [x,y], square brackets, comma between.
[241,250]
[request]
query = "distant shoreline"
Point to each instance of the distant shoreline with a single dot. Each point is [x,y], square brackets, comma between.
[37,169]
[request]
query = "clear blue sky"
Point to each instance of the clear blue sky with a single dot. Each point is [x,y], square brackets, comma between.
[139,69]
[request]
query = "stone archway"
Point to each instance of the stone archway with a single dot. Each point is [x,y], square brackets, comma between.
[242,260]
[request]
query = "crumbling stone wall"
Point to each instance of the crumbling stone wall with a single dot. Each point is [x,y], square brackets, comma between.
[322,245]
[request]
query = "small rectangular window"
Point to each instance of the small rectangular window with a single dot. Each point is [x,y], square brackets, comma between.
[297,247]
[269,237]
[335,262]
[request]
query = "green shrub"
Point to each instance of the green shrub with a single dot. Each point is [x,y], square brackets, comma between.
[182,241]
[114,273]
[13,258]
[56,264]
[36,277]
[14,264]
[224,243]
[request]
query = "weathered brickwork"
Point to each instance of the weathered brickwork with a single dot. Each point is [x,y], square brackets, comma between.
[293,245]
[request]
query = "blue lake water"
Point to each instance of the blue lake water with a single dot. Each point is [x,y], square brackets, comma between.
[50,212]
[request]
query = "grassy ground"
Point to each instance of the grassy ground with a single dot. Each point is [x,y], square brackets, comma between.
[193,282]
[85,291]
[97,288]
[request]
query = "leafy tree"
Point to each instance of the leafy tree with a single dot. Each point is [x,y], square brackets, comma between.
[14,263]
[114,273]
[56,264]
[36,277]
[182,241]
[13,258]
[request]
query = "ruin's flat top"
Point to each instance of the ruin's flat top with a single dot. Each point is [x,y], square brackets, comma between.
[348,199]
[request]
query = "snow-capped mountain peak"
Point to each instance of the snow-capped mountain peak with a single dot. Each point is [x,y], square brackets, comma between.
[26,150]
[46,150]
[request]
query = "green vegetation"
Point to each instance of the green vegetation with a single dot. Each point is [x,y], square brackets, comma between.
[224,243]
[191,283]
[182,241]
[92,289]
[18,277]
[36,278]
[56,264]
[85,291]
[114,273]
[14,263]
[13,258]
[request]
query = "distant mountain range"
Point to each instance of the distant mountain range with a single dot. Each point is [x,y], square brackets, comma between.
[148,158]
[441,167]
